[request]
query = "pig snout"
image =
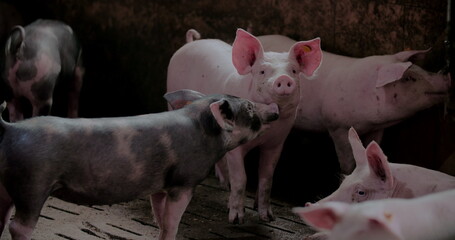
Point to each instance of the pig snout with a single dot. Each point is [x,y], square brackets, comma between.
[284,85]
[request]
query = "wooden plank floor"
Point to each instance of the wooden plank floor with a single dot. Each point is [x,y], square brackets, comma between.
[205,218]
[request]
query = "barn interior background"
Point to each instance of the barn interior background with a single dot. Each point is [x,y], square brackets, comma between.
[127,45]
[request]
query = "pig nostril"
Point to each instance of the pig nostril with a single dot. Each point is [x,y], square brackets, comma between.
[279,84]
[289,84]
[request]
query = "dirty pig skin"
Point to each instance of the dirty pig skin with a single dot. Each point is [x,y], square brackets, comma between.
[111,160]
[38,57]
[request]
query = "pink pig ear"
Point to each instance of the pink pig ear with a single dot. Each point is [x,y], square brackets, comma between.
[221,111]
[411,56]
[308,54]
[246,50]
[391,72]
[378,163]
[357,148]
[180,98]
[323,216]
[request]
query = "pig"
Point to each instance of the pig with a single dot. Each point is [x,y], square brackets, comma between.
[245,70]
[428,217]
[37,58]
[375,178]
[110,160]
[370,94]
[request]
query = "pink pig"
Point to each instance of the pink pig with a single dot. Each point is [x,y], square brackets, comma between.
[428,217]
[369,93]
[375,178]
[245,70]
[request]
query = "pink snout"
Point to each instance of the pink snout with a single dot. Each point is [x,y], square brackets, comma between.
[284,85]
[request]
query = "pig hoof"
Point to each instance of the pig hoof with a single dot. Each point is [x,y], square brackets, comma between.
[266,214]
[237,220]
[236,217]
[267,217]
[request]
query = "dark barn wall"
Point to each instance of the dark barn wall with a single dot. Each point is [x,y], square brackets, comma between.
[128,43]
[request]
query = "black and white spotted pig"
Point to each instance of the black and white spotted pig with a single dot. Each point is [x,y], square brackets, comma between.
[36,57]
[111,160]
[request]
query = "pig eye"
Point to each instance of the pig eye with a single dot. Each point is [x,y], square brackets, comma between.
[249,109]
[294,71]
[360,194]
[262,72]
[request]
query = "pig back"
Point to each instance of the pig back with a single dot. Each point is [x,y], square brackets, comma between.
[97,161]
[205,66]
[55,34]
[343,93]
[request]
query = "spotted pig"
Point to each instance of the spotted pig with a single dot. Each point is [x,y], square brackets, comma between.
[111,160]
[37,58]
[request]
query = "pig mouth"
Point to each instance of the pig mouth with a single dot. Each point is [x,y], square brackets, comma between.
[272,117]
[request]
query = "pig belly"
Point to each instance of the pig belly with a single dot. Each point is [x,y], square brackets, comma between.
[100,197]
[116,193]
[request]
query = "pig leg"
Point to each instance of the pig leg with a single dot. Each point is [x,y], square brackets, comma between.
[267,162]
[25,218]
[15,110]
[237,179]
[158,201]
[29,198]
[221,171]
[21,230]
[343,149]
[6,206]
[74,92]
[173,212]
[42,108]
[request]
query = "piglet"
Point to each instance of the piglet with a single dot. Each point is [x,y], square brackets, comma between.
[370,94]
[38,57]
[244,69]
[113,160]
[375,178]
[428,217]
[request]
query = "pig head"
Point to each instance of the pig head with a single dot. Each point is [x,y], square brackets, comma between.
[105,161]
[369,94]
[246,70]
[428,217]
[37,58]
[375,178]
